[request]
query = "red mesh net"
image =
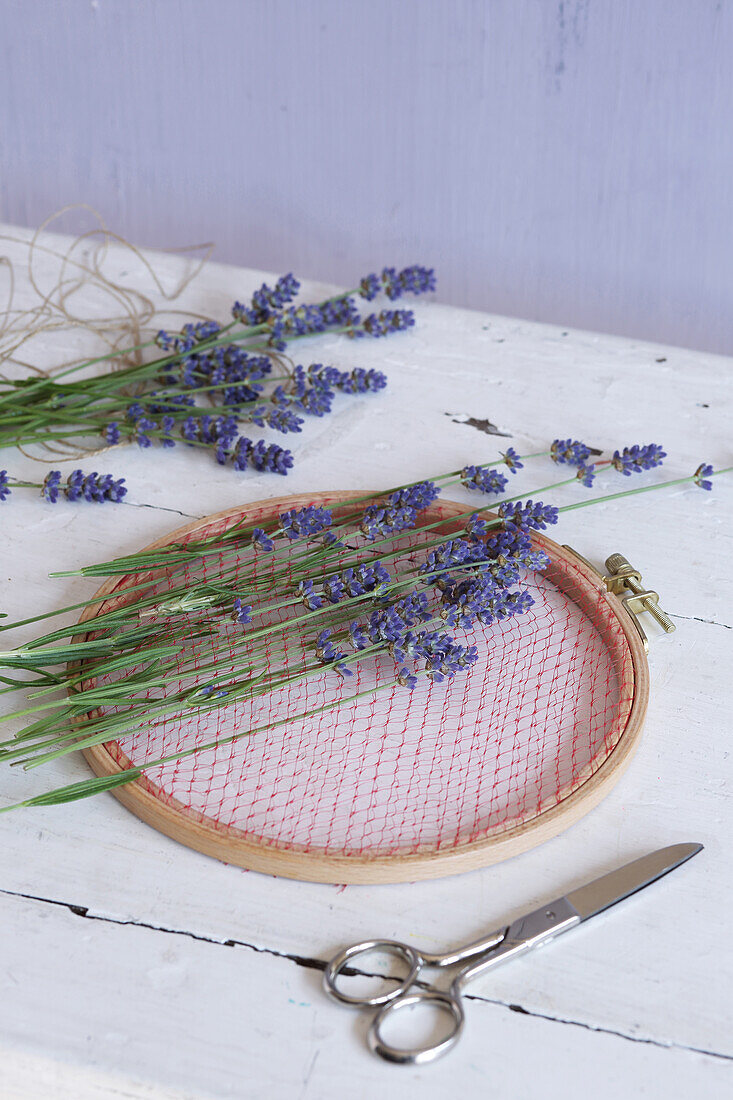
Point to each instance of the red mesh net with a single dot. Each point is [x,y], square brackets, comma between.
[399,772]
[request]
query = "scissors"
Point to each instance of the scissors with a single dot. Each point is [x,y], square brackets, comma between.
[532,930]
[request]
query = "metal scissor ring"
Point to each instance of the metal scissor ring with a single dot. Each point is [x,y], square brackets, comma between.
[390,947]
[415,1055]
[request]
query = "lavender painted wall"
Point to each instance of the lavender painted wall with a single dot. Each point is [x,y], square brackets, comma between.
[568,161]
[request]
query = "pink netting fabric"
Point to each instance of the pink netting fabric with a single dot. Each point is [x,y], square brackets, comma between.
[401,772]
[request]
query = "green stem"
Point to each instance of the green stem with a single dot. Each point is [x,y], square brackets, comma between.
[88,787]
[641,489]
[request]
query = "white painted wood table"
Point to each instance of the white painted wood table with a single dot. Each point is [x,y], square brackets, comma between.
[133,967]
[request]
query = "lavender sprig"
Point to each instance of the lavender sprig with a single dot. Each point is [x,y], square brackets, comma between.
[410,616]
[634,460]
[229,366]
[94,487]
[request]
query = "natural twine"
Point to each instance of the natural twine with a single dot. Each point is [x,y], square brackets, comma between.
[130,319]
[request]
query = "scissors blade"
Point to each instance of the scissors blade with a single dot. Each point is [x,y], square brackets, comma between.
[605,891]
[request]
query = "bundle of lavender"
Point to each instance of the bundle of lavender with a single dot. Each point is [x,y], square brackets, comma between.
[213,378]
[229,618]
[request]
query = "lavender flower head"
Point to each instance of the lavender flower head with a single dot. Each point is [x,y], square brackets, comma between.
[266,459]
[236,372]
[328,653]
[73,489]
[390,626]
[387,625]
[209,691]
[279,419]
[361,381]
[355,582]
[702,475]
[511,459]
[381,324]
[406,679]
[586,475]
[51,486]
[569,452]
[476,528]
[143,425]
[190,335]
[310,598]
[633,460]
[327,379]
[463,601]
[241,613]
[94,487]
[308,320]
[104,487]
[418,496]
[267,301]
[305,522]
[4,487]
[483,479]
[411,280]
[399,513]
[214,431]
[379,522]
[448,555]
[358,636]
[528,515]
[261,539]
[447,658]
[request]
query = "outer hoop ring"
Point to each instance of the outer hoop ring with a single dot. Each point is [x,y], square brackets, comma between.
[233,846]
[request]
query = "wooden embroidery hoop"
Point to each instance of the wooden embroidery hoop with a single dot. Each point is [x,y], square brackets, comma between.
[234,846]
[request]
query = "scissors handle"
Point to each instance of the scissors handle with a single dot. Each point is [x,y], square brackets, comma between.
[338,963]
[450,1003]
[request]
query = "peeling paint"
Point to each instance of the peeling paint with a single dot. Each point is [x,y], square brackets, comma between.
[485,426]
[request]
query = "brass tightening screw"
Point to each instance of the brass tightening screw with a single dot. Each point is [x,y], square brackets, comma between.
[619,567]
